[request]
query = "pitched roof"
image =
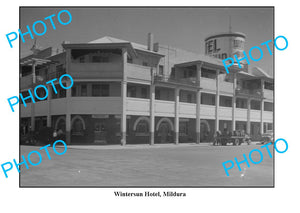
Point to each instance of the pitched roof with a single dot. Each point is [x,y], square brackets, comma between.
[109,39]
[257,71]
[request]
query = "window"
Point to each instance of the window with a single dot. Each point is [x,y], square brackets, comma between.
[207,99]
[161,70]
[74,91]
[142,128]
[183,128]
[238,44]
[225,101]
[189,98]
[268,106]
[144,92]
[173,72]
[62,93]
[270,126]
[83,90]
[241,103]
[77,128]
[104,90]
[255,105]
[100,59]
[185,74]
[41,93]
[81,59]
[157,94]
[26,70]
[269,86]
[131,91]
[54,95]
[189,74]
[96,90]
[100,90]
[207,73]
[145,64]
[26,94]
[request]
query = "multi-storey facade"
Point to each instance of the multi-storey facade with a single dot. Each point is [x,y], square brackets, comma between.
[125,92]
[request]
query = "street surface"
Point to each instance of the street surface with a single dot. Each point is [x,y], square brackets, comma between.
[143,165]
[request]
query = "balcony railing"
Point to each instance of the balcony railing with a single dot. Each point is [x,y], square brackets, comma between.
[53,75]
[169,79]
[27,81]
[255,93]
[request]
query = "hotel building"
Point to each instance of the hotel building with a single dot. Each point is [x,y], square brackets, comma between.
[128,93]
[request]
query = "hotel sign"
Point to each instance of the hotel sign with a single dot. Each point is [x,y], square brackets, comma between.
[223,46]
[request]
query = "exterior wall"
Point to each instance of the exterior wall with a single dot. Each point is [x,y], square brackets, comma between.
[187,110]
[226,88]
[107,110]
[95,105]
[241,114]
[114,88]
[164,93]
[25,111]
[207,112]
[138,106]
[164,108]
[145,58]
[58,106]
[208,84]
[255,115]
[41,108]
[268,117]
[268,94]
[138,73]
[184,96]
[96,70]
[26,82]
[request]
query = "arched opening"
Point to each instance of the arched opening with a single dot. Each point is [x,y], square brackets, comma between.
[142,126]
[60,123]
[165,130]
[77,126]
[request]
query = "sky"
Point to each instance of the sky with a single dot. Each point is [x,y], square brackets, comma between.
[184,28]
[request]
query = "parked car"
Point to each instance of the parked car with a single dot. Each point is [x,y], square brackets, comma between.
[235,137]
[44,136]
[267,137]
[28,139]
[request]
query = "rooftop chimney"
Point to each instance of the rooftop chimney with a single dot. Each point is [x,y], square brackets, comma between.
[150,41]
[156,47]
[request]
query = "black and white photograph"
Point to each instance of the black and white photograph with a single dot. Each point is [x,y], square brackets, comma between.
[110,106]
[146,96]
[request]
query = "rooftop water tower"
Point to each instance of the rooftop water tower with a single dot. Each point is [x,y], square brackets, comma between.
[224,45]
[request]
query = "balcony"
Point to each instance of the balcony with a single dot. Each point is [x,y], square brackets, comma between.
[138,72]
[208,84]
[26,82]
[96,70]
[184,81]
[164,108]
[138,106]
[268,116]
[254,93]
[187,110]
[226,87]
[268,94]
[57,75]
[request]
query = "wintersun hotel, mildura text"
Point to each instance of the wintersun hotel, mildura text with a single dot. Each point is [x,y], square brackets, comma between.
[150,194]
